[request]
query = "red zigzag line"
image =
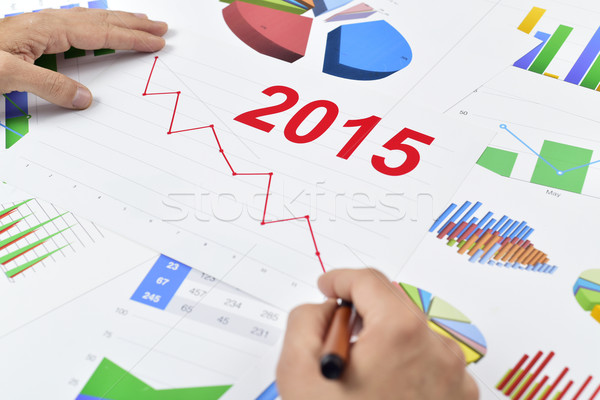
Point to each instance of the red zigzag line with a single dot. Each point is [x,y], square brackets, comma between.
[233,172]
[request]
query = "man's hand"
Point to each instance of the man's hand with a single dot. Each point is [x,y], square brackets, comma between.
[396,356]
[24,38]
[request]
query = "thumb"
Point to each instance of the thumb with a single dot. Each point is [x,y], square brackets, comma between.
[51,86]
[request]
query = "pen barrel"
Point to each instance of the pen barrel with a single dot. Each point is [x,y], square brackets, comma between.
[337,342]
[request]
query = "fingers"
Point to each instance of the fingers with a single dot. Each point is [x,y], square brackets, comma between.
[371,292]
[113,37]
[299,360]
[91,29]
[304,337]
[49,85]
[471,389]
[306,329]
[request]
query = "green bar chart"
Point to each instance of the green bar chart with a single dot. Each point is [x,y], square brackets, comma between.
[563,158]
[549,51]
[555,163]
[499,161]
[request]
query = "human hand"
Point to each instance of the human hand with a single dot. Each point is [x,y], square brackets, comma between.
[24,38]
[395,357]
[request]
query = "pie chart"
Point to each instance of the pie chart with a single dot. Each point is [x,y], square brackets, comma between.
[587,292]
[364,51]
[448,321]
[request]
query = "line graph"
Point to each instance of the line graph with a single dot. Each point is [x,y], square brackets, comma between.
[547,162]
[230,166]
[558,171]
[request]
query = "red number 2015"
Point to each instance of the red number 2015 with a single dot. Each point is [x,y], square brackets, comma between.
[365,127]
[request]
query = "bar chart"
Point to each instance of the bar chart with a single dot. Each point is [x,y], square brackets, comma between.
[521,381]
[17,115]
[556,165]
[502,242]
[587,292]
[585,70]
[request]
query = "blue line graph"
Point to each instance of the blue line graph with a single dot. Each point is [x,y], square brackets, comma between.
[558,171]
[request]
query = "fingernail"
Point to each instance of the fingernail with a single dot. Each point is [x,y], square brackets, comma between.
[82,99]
[141,15]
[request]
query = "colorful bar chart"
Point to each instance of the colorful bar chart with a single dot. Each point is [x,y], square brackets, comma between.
[587,292]
[526,380]
[110,381]
[447,320]
[585,71]
[502,242]
[16,103]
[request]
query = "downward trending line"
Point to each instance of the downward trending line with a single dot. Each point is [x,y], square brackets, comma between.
[230,166]
[558,171]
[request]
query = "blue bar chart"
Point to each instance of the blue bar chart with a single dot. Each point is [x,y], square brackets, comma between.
[502,242]
[585,70]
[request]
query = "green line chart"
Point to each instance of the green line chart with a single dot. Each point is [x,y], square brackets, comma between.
[110,381]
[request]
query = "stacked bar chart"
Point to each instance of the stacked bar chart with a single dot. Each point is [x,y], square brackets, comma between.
[585,71]
[502,242]
[16,103]
[110,381]
[526,380]
[448,321]
[587,292]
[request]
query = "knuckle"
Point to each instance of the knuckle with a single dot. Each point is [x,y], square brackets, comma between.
[6,63]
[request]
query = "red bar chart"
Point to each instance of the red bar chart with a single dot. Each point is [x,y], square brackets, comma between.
[527,380]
